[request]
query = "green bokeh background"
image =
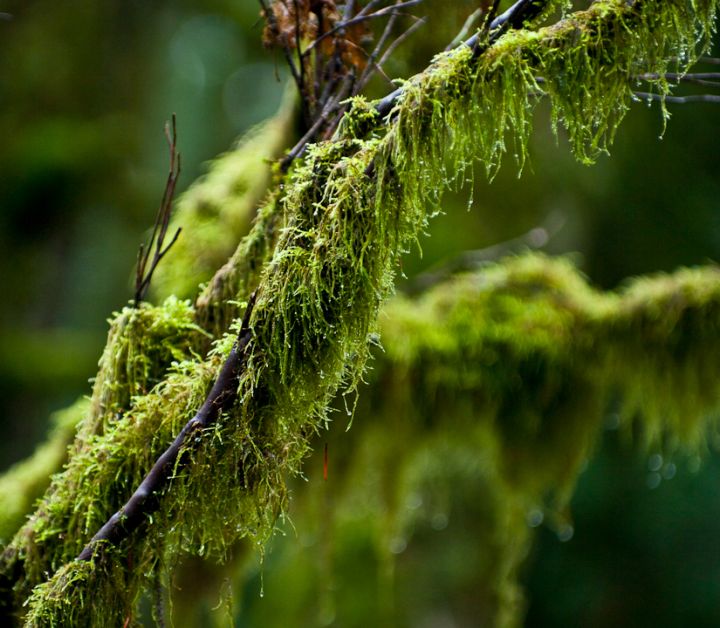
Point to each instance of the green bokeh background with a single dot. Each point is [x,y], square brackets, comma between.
[86,87]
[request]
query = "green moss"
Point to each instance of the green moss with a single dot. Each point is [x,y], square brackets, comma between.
[350,210]
[142,343]
[25,482]
[219,303]
[497,385]
[106,576]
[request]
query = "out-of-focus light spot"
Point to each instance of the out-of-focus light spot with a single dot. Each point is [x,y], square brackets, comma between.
[414,501]
[565,532]
[252,94]
[693,464]
[398,545]
[206,49]
[655,462]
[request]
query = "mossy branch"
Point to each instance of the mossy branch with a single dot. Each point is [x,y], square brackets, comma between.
[320,294]
[145,499]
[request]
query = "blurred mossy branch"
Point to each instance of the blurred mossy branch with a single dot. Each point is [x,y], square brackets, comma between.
[526,352]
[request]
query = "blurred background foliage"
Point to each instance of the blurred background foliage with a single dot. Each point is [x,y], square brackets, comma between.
[85,89]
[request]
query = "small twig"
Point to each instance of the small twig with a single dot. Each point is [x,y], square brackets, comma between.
[713,60]
[146,499]
[142,280]
[159,606]
[470,260]
[272,22]
[696,78]
[401,39]
[491,15]
[297,42]
[372,63]
[360,18]
[365,76]
[391,48]
[299,148]
[679,100]
[465,29]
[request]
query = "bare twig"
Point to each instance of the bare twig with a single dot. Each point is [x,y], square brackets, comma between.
[465,29]
[297,41]
[272,22]
[360,18]
[679,100]
[142,280]
[146,498]
[367,73]
[470,260]
[332,106]
[391,48]
[696,78]
[401,39]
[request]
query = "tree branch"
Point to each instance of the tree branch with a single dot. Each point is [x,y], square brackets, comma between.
[514,17]
[146,499]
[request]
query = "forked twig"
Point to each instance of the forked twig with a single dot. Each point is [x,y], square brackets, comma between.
[142,279]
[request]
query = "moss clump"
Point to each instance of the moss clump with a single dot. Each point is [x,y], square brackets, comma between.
[219,303]
[142,343]
[105,575]
[496,385]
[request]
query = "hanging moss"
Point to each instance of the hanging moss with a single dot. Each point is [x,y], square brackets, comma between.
[319,299]
[496,385]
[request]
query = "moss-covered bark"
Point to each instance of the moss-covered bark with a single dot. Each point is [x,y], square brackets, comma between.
[349,211]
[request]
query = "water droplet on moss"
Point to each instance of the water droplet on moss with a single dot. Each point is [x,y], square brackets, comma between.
[653,480]
[535,518]
[565,532]
[654,462]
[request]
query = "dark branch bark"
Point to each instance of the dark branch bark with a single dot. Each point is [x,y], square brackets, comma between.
[146,499]
[514,17]
[142,281]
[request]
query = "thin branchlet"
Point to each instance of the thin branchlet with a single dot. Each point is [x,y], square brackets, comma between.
[143,275]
